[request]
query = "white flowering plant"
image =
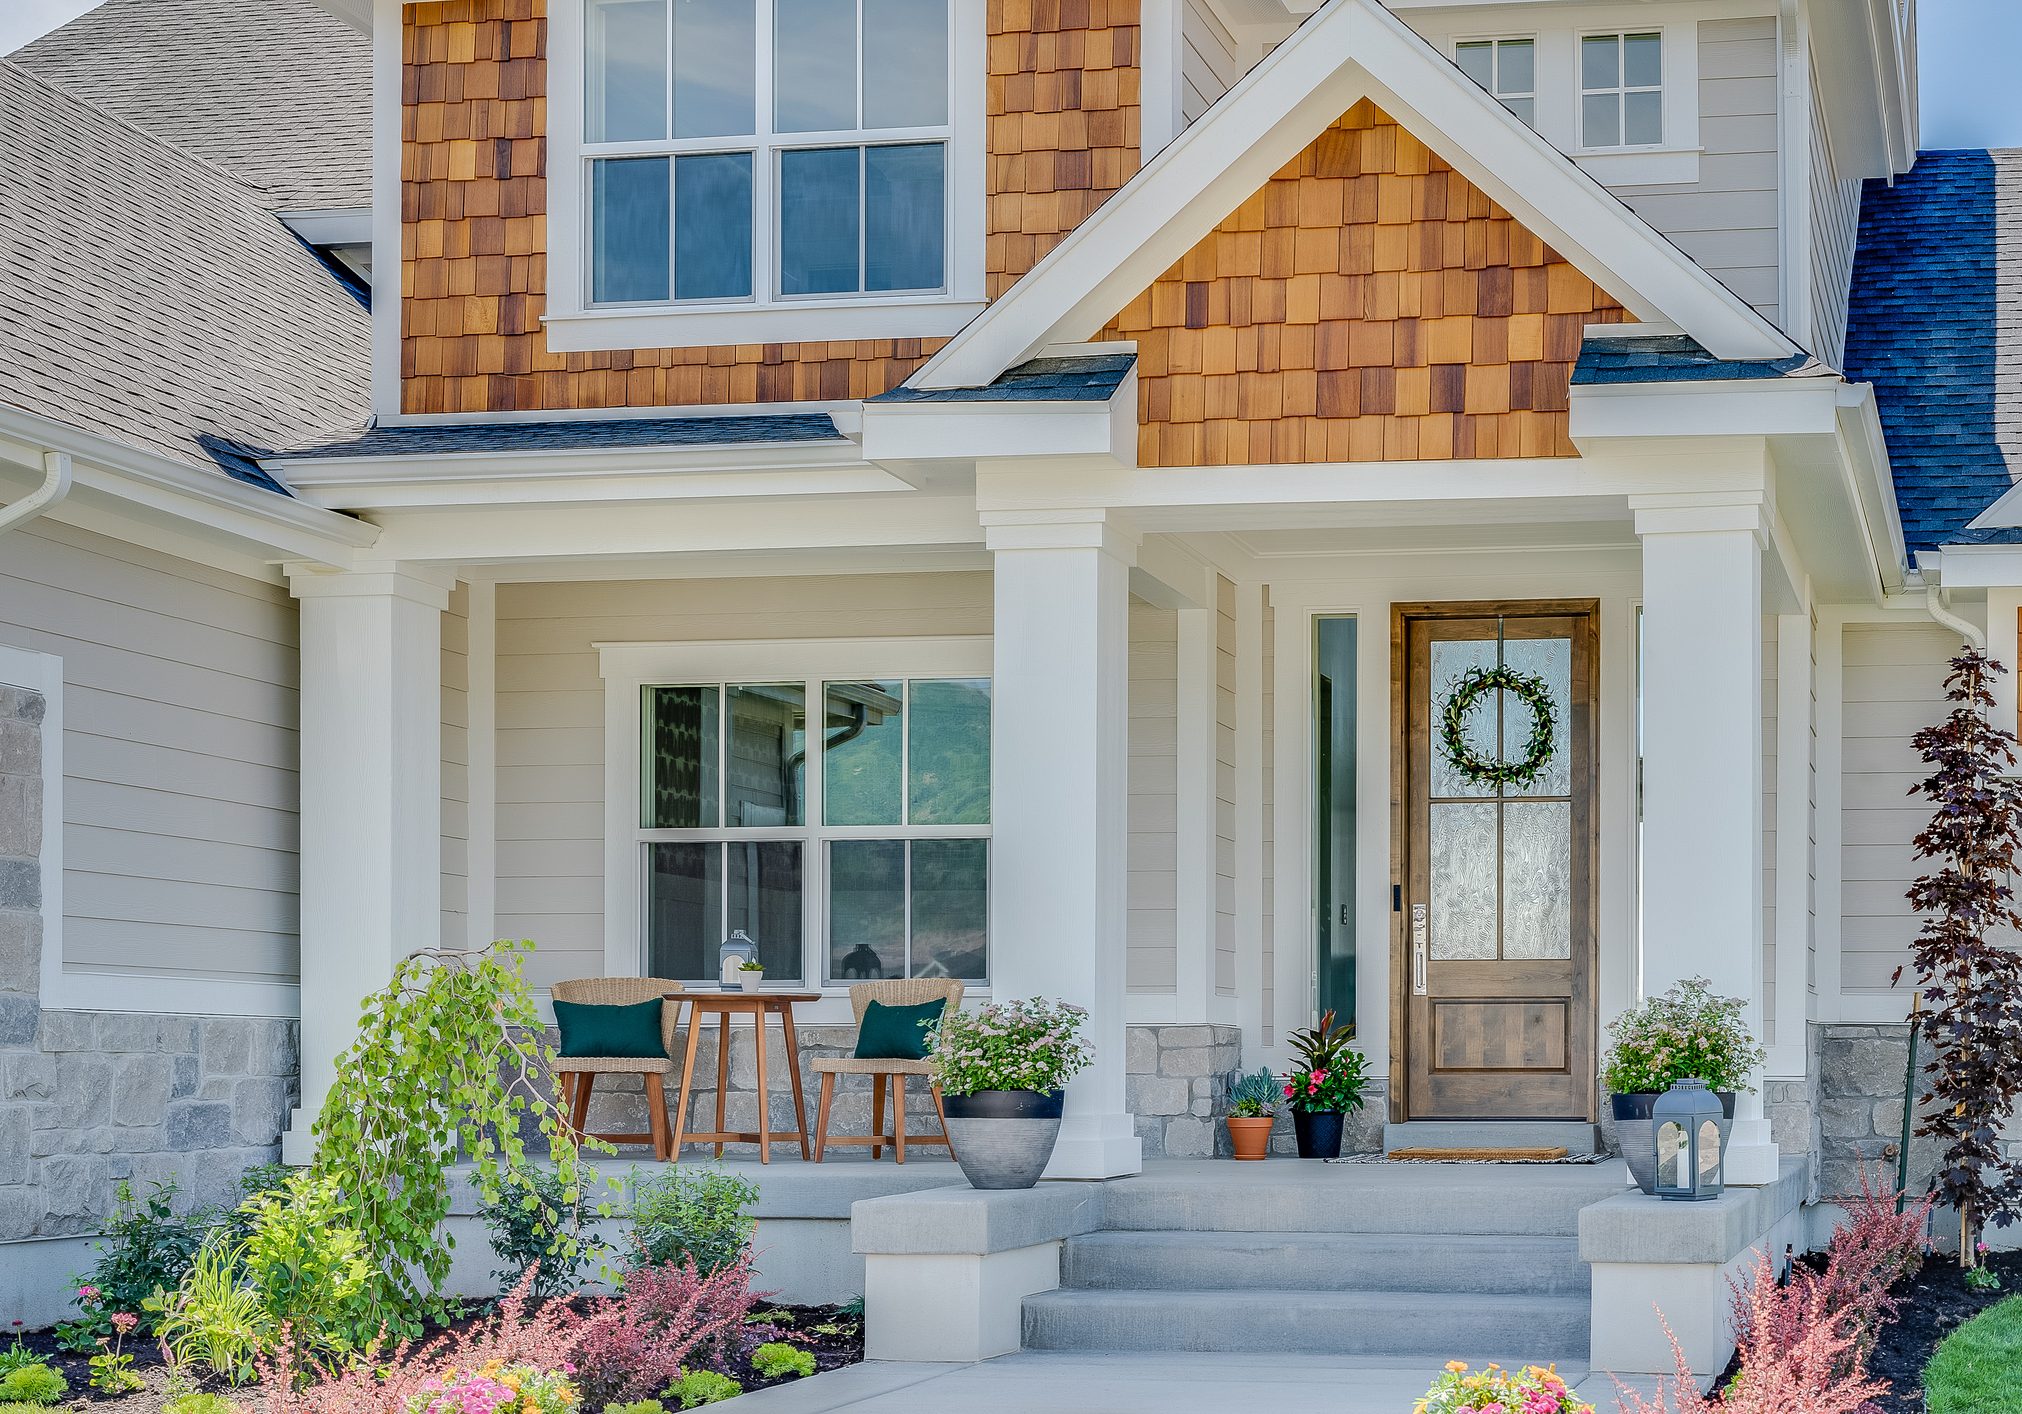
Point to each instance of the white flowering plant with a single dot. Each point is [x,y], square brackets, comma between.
[1686,1032]
[1034,1044]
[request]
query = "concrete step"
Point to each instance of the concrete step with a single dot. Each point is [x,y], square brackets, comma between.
[1574,1136]
[1324,1261]
[1360,1323]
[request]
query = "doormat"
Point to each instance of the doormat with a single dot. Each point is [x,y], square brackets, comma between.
[1473,1156]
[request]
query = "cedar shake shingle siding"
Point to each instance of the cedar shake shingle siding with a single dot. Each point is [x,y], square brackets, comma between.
[1368,304]
[1062,135]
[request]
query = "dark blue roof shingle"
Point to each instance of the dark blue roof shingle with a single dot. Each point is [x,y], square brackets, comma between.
[588,434]
[1091,379]
[1671,358]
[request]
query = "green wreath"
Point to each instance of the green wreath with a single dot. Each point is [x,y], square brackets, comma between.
[1465,692]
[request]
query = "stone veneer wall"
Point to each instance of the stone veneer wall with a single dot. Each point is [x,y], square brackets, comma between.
[1861,1075]
[90,1098]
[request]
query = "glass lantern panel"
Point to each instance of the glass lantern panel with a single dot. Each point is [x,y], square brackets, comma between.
[1709,1152]
[1673,1157]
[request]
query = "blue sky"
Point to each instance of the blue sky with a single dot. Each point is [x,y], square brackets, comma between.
[1969,51]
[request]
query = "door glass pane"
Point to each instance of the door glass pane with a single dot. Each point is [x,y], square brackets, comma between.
[715,67]
[1476,59]
[863,769]
[818,214]
[1537,879]
[1642,60]
[815,76]
[1600,61]
[950,745]
[767,756]
[762,897]
[628,222]
[712,226]
[1551,661]
[1516,66]
[1642,118]
[951,908]
[1463,860]
[905,63]
[1601,120]
[866,910]
[681,759]
[905,216]
[1334,730]
[684,910]
[625,83]
[1451,658]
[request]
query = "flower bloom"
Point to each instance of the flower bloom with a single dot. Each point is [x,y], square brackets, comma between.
[124,1321]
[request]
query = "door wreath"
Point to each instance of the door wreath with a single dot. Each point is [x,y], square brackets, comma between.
[1481,769]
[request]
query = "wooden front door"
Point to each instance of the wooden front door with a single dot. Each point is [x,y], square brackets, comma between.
[1495,955]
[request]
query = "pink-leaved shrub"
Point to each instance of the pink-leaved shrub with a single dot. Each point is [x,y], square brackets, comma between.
[668,1316]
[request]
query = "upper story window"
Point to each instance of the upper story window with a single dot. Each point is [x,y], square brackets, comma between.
[1622,89]
[1507,68]
[771,155]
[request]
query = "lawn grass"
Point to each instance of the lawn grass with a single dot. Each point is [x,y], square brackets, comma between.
[1978,1368]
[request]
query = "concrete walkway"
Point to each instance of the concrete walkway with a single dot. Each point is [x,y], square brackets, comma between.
[1053,1382]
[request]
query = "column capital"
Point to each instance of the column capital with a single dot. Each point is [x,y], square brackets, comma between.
[1074,529]
[1698,513]
[427,585]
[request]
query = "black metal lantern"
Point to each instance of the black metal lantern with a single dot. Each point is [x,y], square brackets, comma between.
[1690,1125]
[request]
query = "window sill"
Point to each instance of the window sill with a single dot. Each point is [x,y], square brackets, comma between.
[1641,166]
[661,327]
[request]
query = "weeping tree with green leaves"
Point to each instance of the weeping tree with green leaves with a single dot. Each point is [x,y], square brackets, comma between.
[450,1065]
[1969,976]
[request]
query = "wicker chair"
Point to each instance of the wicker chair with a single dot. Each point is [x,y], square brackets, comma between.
[903,992]
[578,1074]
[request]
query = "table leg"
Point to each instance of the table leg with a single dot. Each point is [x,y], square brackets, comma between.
[687,1081]
[793,1069]
[722,1071]
[899,1115]
[821,1124]
[764,1093]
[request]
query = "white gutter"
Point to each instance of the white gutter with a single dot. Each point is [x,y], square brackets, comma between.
[55,486]
[1945,618]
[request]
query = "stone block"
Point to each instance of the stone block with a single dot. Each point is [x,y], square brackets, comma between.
[1176,1038]
[1185,1063]
[67,1031]
[227,1045]
[21,1210]
[81,1094]
[141,1086]
[1188,1138]
[260,1109]
[20,1019]
[20,884]
[1140,1051]
[20,747]
[127,1033]
[21,817]
[272,1048]
[1847,1117]
[20,952]
[21,704]
[1870,1065]
[1150,1135]
[1154,1095]
[15,1140]
[180,1035]
[199,1124]
[83,1185]
[187,1072]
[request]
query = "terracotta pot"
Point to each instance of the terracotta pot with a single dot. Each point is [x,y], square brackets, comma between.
[1250,1136]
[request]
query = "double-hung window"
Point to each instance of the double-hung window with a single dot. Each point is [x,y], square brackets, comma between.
[1507,68]
[1622,89]
[851,812]
[765,151]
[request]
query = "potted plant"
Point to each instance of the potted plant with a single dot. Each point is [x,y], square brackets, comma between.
[1686,1033]
[1324,1087]
[1001,1069]
[750,973]
[1251,1102]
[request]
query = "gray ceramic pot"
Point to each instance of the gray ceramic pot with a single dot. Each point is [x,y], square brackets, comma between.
[1636,1132]
[1003,1138]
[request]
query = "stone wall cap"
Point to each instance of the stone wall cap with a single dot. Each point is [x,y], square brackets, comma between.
[1635,1228]
[964,1220]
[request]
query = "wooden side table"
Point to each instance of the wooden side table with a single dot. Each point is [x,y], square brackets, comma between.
[724,1006]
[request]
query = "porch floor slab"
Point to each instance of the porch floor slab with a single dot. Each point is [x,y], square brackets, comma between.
[1049,1382]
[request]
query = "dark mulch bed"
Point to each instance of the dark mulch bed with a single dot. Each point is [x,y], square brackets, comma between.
[836,1338]
[1931,1305]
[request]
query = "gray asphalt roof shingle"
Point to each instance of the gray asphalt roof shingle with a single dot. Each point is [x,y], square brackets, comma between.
[277,92]
[1090,379]
[149,297]
[1936,326]
[1676,358]
[604,434]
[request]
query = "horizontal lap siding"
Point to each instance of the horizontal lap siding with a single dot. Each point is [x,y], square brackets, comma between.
[1209,62]
[1892,685]
[179,754]
[1835,221]
[1153,960]
[550,727]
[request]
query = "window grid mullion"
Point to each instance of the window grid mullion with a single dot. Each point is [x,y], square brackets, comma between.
[764,174]
[906,952]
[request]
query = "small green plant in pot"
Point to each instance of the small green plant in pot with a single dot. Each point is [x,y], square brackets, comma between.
[1252,1100]
[1687,1033]
[1324,1086]
[1002,1070]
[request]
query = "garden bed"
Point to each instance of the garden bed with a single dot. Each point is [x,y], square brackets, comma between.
[1930,1306]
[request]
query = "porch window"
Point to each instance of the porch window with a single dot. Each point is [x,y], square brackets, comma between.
[870,833]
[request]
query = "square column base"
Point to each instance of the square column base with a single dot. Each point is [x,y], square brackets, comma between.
[1096,1146]
[1752,1158]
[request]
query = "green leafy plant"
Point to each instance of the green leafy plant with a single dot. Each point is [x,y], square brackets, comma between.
[1983,1279]
[33,1384]
[1034,1044]
[696,1388]
[309,1267]
[451,1060]
[1254,1096]
[17,1355]
[147,1248]
[1683,1033]
[213,1321]
[112,1368]
[678,1215]
[776,1359]
[637,1406]
[1328,1075]
[19,1406]
[200,1402]
[522,1222]
[751,964]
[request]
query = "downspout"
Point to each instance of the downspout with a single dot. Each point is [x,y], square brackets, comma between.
[55,486]
[1934,606]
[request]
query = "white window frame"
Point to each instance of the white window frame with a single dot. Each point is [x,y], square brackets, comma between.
[1623,88]
[1496,41]
[629,668]
[573,324]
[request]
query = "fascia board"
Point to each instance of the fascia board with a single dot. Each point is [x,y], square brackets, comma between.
[759,457]
[911,432]
[638,488]
[1271,115]
[1975,566]
[1770,407]
[1866,456]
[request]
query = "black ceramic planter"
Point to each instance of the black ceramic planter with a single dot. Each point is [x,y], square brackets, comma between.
[1319,1134]
[1003,1138]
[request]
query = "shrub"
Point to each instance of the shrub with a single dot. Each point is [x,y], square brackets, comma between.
[776,1358]
[665,1317]
[1329,1074]
[637,1406]
[1686,1032]
[681,1216]
[696,1388]
[1254,1096]
[201,1402]
[146,1249]
[309,1267]
[1535,1389]
[523,1220]
[1033,1044]
[522,1389]
[32,1384]
[213,1322]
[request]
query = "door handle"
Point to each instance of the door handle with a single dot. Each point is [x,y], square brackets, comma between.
[1418,949]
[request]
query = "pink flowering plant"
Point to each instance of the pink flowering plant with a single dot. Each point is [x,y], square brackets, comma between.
[1328,1074]
[1684,1033]
[1034,1044]
[1535,1389]
[497,1389]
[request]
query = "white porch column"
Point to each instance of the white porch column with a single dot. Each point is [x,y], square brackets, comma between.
[371,800]
[1058,806]
[1702,772]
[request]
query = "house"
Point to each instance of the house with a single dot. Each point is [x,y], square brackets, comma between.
[1125,418]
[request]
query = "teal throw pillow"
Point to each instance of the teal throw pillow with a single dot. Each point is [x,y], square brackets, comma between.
[610,1032]
[897,1032]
